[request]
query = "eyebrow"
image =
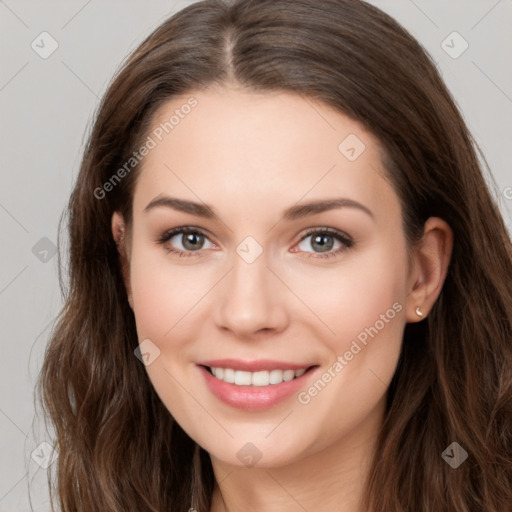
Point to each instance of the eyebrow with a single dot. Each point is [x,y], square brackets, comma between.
[293,213]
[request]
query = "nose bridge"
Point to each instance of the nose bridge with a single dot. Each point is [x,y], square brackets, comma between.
[250,296]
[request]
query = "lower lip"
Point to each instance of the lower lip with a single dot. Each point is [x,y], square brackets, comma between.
[253,397]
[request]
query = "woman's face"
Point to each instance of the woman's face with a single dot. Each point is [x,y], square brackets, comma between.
[288,254]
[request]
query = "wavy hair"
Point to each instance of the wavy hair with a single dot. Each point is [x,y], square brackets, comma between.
[119,447]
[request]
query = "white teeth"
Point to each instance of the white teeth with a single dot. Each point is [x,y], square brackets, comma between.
[288,375]
[276,376]
[242,378]
[229,375]
[261,378]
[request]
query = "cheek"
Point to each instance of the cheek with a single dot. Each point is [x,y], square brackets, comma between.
[371,319]
[363,304]
[165,298]
[369,289]
[164,293]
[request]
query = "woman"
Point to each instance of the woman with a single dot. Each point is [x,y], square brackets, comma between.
[289,284]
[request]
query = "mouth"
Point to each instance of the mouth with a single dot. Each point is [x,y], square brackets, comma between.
[259,378]
[254,385]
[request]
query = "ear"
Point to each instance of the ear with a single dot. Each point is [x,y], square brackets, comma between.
[119,234]
[431,259]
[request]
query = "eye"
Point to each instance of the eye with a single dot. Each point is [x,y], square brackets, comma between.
[184,241]
[324,240]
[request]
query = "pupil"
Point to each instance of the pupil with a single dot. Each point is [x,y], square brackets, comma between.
[321,240]
[190,238]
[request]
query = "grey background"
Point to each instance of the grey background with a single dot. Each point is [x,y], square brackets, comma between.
[47,105]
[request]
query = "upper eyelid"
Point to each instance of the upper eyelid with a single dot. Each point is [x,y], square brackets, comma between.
[330,231]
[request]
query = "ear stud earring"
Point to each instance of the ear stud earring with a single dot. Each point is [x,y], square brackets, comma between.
[418,311]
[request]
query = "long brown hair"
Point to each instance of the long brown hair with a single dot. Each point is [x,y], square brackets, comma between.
[119,448]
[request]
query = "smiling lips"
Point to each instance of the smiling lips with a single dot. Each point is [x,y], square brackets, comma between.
[253,385]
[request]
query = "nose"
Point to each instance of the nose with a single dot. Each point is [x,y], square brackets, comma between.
[251,300]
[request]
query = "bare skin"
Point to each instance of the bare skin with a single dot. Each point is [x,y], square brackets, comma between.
[249,157]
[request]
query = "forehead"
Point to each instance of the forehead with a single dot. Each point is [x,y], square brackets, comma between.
[231,147]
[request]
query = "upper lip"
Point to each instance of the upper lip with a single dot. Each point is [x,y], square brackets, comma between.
[254,366]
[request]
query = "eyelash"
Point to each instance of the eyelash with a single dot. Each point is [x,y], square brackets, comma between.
[345,240]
